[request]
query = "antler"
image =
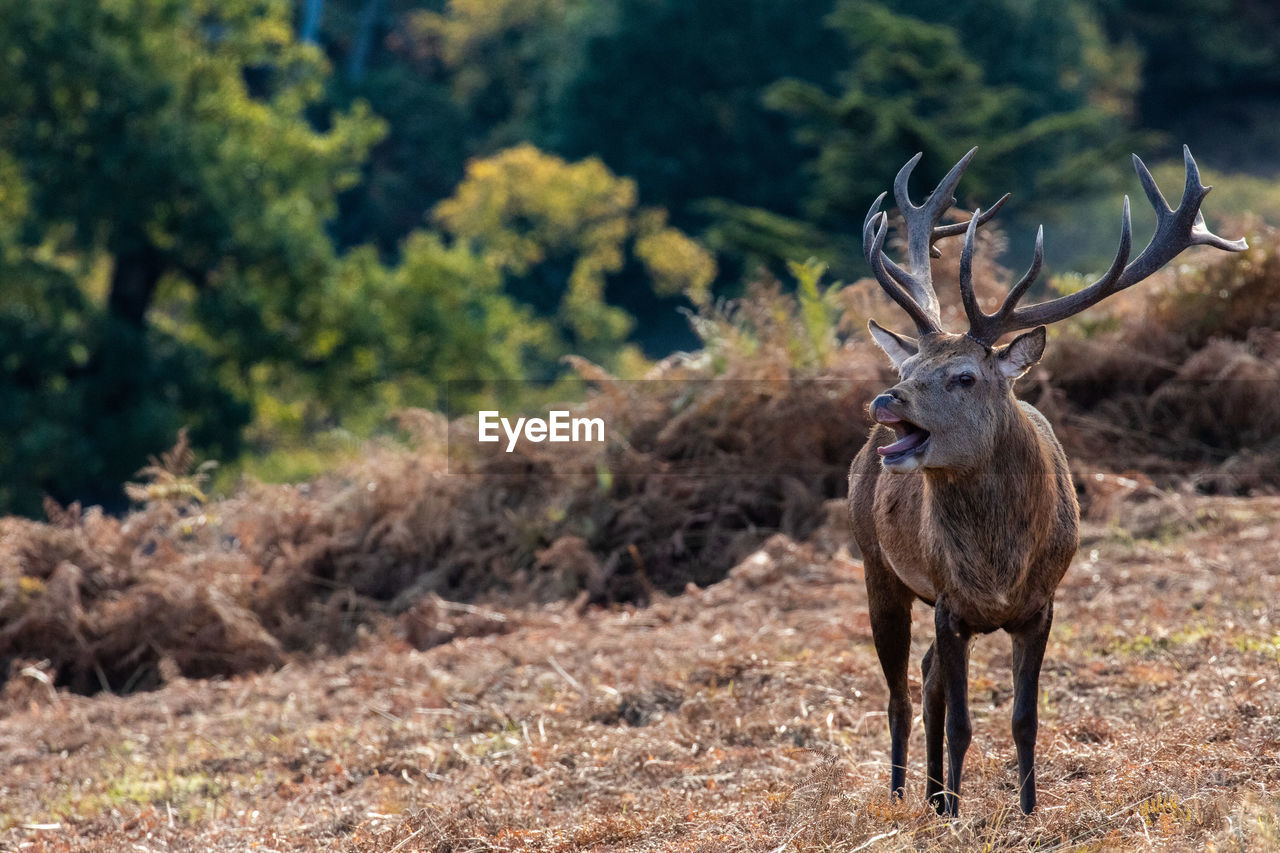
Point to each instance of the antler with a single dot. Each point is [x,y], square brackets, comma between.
[913,289]
[1176,230]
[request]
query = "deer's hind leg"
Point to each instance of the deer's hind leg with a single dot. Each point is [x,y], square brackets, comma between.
[935,717]
[890,602]
[952,665]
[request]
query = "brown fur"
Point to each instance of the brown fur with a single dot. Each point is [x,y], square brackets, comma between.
[979,520]
[996,541]
[968,504]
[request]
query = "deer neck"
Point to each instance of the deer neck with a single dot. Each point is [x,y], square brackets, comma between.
[981,520]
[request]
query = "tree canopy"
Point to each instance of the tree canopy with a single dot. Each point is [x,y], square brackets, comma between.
[559,230]
[262,219]
[920,86]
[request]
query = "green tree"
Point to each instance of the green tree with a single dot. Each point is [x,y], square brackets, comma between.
[406,82]
[914,86]
[670,95]
[380,337]
[560,230]
[509,61]
[1210,74]
[84,396]
[174,136]
[1055,51]
[153,153]
[1199,49]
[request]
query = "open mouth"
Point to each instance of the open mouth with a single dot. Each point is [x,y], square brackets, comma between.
[911,440]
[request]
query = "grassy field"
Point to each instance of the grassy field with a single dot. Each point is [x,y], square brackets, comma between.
[748,716]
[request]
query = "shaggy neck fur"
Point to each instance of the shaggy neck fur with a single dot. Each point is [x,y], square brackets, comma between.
[981,524]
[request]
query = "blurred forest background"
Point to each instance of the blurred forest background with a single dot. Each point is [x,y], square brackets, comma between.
[278,222]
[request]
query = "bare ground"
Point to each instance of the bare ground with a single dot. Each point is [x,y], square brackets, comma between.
[748,716]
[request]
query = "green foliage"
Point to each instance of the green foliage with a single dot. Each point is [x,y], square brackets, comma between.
[420,161]
[175,136]
[509,60]
[915,85]
[14,201]
[911,87]
[560,230]
[1198,50]
[85,397]
[1055,51]
[819,312]
[454,81]
[405,82]
[170,140]
[671,96]
[754,238]
[375,338]
[775,333]
[174,477]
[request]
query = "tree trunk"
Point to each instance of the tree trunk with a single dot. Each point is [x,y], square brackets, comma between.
[312,12]
[367,26]
[133,284]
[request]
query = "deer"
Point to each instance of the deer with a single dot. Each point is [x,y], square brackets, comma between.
[962,497]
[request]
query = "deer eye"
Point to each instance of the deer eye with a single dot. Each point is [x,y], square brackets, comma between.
[964,380]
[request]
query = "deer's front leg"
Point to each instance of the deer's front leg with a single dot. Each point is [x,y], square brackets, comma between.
[890,611]
[952,663]
[1028,653]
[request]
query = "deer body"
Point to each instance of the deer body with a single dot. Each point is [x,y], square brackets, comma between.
[978,540]
[962,497]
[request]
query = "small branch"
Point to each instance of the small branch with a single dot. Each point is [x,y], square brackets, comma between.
[573,682]
[415,834]
[873,839]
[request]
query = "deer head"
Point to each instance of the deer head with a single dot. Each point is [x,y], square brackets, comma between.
[948,409]
[956,388]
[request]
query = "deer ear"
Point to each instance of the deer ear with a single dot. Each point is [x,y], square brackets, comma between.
[1021,353]
[899,348]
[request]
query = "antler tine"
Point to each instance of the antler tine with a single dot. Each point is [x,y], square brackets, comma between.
[967,296]
[901,278]
[868,231]
[984,327]
[1028,278]
[941,232]
[1200,233]
[900,193]
[877,227]
[920,222]
[1176,230]
[1152,190]
[943,195]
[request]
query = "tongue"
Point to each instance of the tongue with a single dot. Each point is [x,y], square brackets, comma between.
[907,442]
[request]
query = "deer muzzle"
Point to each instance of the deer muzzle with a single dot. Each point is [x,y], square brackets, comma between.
[911,437]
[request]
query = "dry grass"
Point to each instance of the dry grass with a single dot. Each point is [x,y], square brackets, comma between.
[542,651]
[703,464]
[748,716]
[1180,377]
[706,458]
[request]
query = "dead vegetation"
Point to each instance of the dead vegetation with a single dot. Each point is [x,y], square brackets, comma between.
[747,716]
[700,469]
[1182,380]
[499,689]
[706,458]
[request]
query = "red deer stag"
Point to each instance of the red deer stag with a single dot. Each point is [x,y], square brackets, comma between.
[961,496]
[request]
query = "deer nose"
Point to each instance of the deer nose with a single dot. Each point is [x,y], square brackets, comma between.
[880,407]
